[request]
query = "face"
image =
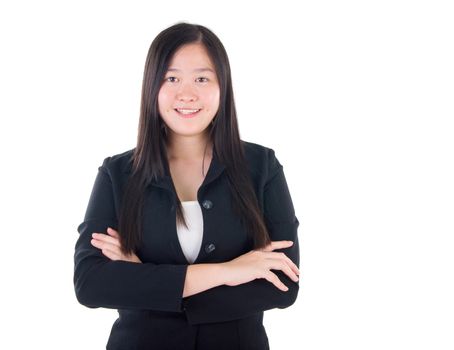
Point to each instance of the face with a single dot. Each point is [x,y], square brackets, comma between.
[189,96]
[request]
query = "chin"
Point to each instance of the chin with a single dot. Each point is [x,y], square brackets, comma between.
[189,131]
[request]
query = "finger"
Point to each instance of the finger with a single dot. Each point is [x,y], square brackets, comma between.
[289,262]
[106,238]
[101,244]
[277,245]
[97,243]
[112,232]
[270,276]
[110,254]
[277,264]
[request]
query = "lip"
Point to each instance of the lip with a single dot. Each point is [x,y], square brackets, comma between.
[192,115]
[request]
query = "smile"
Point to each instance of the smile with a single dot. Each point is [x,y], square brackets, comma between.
[187,113]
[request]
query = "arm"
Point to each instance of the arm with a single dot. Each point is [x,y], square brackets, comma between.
[225,303]
[201,277]
[101,282]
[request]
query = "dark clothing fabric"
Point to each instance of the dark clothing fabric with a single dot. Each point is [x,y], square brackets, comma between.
[148,296]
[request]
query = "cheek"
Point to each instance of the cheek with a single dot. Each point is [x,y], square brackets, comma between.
[164,100]
[213,97]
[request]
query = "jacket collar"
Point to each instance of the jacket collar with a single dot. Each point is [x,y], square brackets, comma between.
[214,171]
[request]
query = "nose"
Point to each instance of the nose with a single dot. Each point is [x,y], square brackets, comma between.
[186,93]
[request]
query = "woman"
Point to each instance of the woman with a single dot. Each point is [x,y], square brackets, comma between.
[182,232]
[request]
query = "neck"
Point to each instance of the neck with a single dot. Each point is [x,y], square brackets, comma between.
[192,147]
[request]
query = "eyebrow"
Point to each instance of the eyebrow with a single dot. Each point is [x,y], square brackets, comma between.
[195,70]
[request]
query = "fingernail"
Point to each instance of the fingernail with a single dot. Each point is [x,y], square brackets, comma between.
[93,234]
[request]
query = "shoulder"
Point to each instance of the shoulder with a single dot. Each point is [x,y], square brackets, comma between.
[119,163]
[262,160]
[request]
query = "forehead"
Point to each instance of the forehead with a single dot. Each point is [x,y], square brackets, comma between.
[191,57]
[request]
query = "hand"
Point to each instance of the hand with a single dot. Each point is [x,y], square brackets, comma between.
[258,263]
[110,246]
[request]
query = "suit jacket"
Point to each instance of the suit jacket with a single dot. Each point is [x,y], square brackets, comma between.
[148,296]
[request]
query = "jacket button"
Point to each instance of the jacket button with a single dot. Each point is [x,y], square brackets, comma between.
[207,204]
[210,247]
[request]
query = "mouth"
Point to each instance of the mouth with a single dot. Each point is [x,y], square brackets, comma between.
[187,113]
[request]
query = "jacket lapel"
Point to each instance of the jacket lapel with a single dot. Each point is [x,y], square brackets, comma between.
[214,171]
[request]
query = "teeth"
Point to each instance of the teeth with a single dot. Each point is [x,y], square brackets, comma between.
[187,111]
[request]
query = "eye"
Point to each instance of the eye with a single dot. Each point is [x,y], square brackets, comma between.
[167,79]
[203,78]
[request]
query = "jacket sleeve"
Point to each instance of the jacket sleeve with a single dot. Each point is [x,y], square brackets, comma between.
[226,303]
[116,284]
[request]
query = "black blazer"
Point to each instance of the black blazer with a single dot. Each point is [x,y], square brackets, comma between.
[148,296]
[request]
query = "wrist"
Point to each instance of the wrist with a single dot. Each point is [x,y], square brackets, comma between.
[223,270]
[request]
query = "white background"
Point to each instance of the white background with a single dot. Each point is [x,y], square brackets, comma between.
[355,97]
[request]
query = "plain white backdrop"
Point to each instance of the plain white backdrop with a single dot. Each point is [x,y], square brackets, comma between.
[355,97]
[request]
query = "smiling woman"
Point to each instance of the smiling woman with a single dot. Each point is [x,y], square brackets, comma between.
[198,275]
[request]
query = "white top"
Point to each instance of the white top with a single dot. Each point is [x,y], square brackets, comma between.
[191,240]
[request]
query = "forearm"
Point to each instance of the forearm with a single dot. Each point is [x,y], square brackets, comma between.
[201,277]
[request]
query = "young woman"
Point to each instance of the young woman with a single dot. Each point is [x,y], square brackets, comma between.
[192,234]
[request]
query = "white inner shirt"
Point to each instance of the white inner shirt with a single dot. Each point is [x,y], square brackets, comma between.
[191,240]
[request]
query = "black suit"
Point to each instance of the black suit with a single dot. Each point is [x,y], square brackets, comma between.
[148,296]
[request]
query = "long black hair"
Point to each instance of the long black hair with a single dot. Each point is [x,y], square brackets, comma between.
[150,154]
